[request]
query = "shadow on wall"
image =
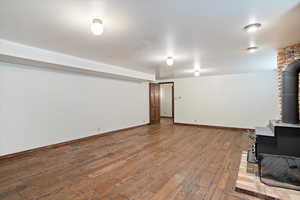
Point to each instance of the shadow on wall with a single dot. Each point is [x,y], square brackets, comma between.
[286,25]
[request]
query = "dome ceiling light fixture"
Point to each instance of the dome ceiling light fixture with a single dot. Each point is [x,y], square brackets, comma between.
[97,27]
[170,61]
[252,49]
[251,28]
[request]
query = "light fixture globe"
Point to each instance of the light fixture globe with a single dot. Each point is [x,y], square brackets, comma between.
[97,27]
[251,28]
[170,61]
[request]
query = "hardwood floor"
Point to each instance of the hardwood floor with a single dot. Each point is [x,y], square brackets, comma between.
[154,162]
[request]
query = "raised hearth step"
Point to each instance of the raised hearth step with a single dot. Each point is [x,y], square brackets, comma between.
[278,123]
[264,131]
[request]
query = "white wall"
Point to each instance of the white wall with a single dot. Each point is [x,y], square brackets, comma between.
[40,107]
[166,100]
[240,100]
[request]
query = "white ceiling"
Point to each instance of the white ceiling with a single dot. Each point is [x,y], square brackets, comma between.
[140,34]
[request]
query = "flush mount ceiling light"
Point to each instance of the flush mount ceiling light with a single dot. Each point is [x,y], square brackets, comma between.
[251,28]
[252,49]
[170,61]
[197,73]
[97,27]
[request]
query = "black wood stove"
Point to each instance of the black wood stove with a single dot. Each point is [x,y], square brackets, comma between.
[277,146]
[283,137]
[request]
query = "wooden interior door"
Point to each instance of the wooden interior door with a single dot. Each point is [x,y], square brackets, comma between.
[154,95]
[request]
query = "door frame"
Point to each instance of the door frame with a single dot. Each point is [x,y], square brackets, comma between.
[173,102]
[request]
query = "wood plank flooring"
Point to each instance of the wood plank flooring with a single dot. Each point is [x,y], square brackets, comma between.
[155,162]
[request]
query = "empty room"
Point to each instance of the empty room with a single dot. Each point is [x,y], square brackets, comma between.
[149,100]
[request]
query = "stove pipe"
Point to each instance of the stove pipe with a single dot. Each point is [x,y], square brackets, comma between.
[290,93]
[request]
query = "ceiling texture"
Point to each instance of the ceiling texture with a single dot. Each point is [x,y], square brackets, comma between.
[141,34]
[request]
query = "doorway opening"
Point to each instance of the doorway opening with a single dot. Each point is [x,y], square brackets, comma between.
[161,102]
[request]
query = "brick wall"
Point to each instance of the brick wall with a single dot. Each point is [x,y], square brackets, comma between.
[284,57]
